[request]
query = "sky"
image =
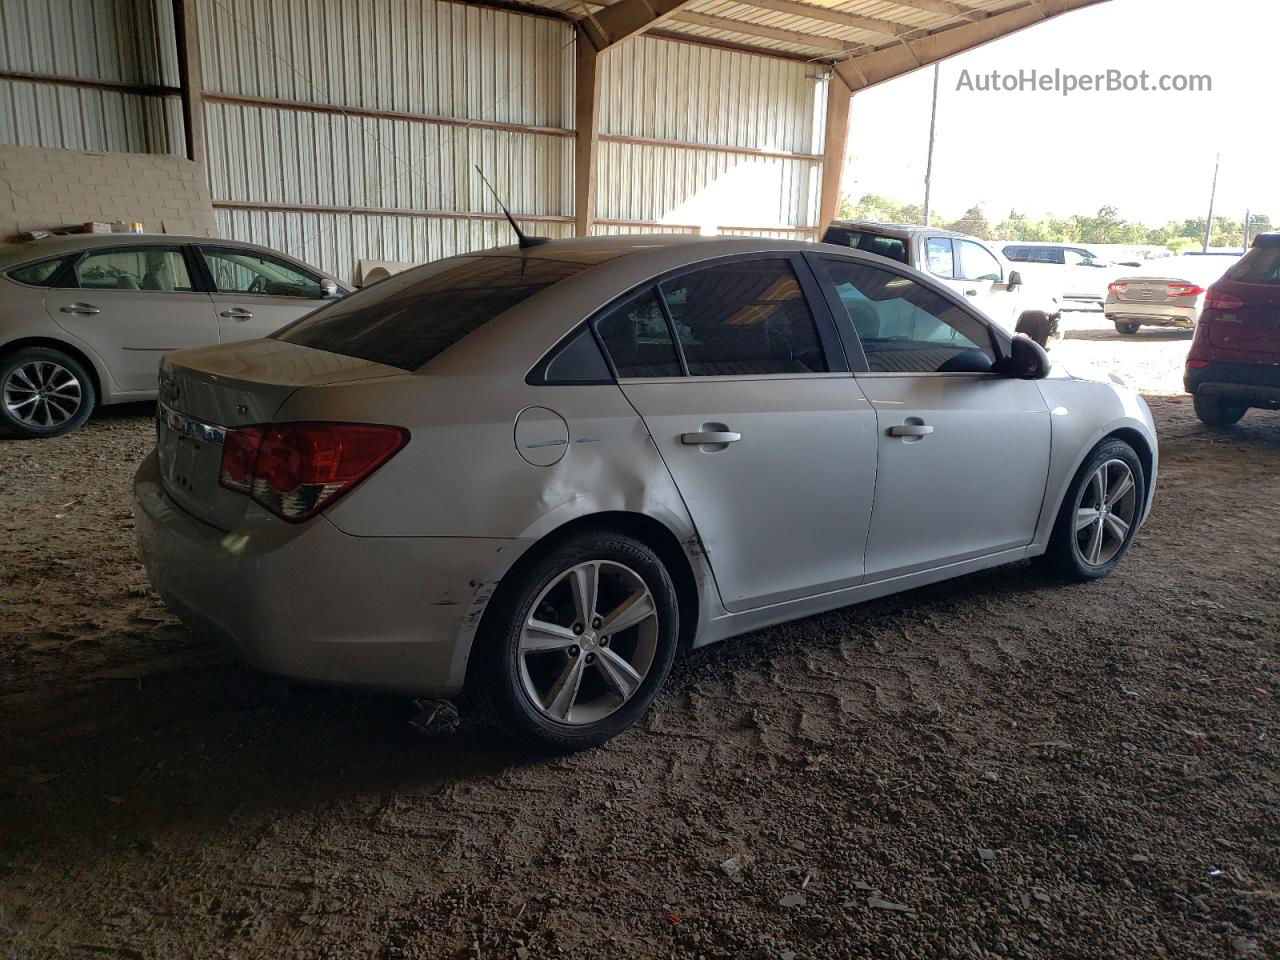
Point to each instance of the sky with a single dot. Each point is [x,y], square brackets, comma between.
[1149,154]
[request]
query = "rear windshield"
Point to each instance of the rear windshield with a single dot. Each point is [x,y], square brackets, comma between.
[895,248]
[409,318]
[1259,265]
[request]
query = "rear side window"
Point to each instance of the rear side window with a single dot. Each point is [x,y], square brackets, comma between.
[636,334]
[940,257]
[1259,265]
[746,317]
[37,274]
[156,269]
[410,318]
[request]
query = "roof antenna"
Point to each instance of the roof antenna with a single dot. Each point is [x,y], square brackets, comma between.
[524,241]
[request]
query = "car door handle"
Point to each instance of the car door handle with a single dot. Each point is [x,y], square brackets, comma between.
[237,313]
[699,437]
[81,308]
[910,430]
[971,293]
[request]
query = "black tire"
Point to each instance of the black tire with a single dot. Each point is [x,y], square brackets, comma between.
[1217,412]
[1065,554]
[71,406]
[495,678]
[1036,325]
[1128,329]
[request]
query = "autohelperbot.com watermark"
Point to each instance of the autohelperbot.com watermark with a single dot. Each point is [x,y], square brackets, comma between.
[1065,82]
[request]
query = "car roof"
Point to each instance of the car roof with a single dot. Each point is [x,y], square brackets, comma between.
[1267,240]
[591,251]
[903,230]
[59,244]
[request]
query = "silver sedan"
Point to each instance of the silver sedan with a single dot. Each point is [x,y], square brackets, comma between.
[537,474]
[85,318]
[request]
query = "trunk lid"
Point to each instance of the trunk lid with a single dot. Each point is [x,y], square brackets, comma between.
[1149,290]
[207,390]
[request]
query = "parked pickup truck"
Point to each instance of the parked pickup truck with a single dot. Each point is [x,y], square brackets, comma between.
[965,264]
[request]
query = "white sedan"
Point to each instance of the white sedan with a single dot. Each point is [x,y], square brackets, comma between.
[538,473]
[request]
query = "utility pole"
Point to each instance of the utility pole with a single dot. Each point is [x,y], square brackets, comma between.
[928,170]
[1213,193]
[1247,215]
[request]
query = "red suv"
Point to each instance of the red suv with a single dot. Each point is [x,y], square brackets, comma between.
[1234,363]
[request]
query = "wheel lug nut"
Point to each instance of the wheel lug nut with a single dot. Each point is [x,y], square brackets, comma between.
[595,624]
[578,628]
[604,641]
[574,651]
[591,658]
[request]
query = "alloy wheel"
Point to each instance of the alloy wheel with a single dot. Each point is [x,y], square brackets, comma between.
[588,642]
[42,394]
[1106,512]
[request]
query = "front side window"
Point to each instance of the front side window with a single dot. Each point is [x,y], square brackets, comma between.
[158,269]
[636,334]
[978,263]
[940,257]
[744,318]
[243,271]
[1076,258]
[37,274]
[905,327]
[409,318]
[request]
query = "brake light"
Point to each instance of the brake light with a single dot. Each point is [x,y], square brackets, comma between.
[295,470]
[1185,290]
[1117,288]
[1217,300]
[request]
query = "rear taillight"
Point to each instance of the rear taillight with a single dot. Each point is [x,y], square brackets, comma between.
[296,470]
[1185,290]
[1217,300]
[1117,288]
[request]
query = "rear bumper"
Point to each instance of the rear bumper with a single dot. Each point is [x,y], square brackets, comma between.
[1255,383]
[313,603]
[1150,314]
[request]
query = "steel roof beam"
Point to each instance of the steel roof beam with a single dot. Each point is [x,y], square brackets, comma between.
[870,24]
[627,18]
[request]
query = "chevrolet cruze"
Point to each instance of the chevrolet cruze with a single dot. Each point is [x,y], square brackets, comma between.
[536,473]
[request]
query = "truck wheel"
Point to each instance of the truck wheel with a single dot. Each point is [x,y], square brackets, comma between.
[1036,325]
[1128,329]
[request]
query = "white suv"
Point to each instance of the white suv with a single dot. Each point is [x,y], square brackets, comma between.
[965,264]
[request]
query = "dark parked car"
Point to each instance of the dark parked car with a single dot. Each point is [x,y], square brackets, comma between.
[1234,363]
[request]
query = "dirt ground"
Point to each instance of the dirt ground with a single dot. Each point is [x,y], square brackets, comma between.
[1000,766]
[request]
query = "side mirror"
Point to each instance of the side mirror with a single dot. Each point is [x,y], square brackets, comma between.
[1015,279]
[1026,360]
[328,289]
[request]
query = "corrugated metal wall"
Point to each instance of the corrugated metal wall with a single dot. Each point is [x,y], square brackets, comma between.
[342,131]
[128,41]
[428,62]
[655,89]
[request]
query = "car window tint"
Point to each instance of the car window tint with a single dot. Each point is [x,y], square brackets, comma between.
[159,269]
[978,263]
[636,334]
[577,361]
[409,318]
[1018,254]
[940,257]
[1046,255]
[743,318]
[905,327]
[242,271]
[1259,265]
[37,274]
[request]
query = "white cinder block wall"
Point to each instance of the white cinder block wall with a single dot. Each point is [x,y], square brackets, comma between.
[47,188]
